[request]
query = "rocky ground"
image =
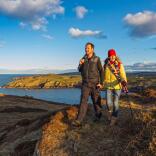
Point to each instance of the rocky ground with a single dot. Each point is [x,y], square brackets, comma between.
[21,119]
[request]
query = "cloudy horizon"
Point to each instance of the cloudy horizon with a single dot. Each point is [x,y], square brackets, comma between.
[52,33]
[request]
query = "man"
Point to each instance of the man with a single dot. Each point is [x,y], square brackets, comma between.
[92,80]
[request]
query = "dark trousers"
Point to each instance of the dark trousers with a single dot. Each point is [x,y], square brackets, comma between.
[87,91]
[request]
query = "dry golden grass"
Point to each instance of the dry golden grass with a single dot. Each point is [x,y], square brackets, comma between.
[131,137]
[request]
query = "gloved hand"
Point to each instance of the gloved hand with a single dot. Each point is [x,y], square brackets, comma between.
[99,86]
[124,83]
[124,86]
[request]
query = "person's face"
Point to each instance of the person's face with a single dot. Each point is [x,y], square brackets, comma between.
[89,50]
[112,58]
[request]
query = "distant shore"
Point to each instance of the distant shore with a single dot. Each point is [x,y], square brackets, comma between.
[45,81]
[138,80]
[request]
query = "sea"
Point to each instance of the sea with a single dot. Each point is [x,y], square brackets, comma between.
[61,95]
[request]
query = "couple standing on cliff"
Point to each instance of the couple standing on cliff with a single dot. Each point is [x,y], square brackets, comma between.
[111,77]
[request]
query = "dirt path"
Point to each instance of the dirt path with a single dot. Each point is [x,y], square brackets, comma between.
[131,137]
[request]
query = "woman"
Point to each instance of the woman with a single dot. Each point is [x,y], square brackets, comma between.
[114,81]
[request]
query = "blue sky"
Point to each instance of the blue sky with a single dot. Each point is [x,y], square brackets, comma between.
[51,34]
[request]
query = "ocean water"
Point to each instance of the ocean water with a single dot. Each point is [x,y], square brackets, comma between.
[64,95]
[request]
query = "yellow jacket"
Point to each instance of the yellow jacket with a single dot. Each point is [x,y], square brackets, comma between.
[110,81]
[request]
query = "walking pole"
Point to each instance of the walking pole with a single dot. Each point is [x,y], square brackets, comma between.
[128,98]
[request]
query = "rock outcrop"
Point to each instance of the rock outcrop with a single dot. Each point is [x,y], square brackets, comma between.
[21,120]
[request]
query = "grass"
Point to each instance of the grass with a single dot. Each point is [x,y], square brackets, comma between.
[45,81]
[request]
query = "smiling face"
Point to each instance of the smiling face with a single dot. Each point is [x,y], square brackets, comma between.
[89,50]
[112,58]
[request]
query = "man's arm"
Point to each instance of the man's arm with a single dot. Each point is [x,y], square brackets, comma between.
[100,69]
[80,67]
[81,63]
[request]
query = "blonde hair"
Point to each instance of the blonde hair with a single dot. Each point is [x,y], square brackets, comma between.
[118,59]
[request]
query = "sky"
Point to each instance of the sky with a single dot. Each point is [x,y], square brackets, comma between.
[51,34]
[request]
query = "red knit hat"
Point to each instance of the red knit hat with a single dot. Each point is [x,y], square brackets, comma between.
[111,52]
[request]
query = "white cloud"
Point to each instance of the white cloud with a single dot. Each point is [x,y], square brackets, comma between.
[76,33]
[33,12]
[80,11]
[141,24]
[39,23]
[49,37]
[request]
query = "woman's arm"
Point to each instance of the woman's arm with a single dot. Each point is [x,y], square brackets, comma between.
[123,73]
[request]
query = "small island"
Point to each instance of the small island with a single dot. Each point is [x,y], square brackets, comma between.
[45,81]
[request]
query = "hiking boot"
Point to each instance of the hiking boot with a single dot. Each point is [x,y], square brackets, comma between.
[76,123]
[98,117]
[113,121]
